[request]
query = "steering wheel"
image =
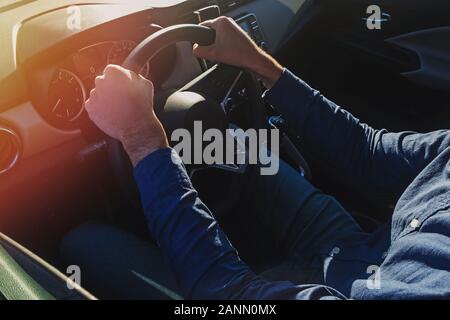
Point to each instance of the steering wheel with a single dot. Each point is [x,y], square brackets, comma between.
[184,106]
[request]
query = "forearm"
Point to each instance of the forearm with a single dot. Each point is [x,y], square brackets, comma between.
[140,141]
[266,67]
[375,163]
[329,134]
[206,264]
[184,228]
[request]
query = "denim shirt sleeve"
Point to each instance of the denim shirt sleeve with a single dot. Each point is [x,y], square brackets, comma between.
[204,261]
[376,163]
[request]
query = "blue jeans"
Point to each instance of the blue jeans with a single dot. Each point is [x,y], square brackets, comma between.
[281,227]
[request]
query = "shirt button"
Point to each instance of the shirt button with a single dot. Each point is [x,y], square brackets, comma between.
[414,223]
[335,251]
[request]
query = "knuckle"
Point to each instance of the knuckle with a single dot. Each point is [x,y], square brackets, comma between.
[111,69]
[146,85]
[222,20]
[98,80]
[131,74]
[228,21]
[108,68]
[209,22]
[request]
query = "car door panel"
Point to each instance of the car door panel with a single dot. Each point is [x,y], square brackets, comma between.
[395,77]
[432,46]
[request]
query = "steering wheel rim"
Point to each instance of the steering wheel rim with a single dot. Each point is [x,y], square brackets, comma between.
[158,41]
[144,52]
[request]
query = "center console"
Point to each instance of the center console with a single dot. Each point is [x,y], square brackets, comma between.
[249,24]
[247,21]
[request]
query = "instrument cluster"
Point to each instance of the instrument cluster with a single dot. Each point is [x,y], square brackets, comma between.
[75,77]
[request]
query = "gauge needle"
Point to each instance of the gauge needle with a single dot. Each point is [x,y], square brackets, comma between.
[56,105]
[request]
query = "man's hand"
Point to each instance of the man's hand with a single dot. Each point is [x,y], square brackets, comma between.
[234,47]
[121,105]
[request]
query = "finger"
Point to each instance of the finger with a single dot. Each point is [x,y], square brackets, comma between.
[93,94]
[203,52]
[199,51]
[110,68]
[131,74]
[91,115]
[147,82]
[114,70]
[210,23]
[98,81]
[145,79]
[88,105]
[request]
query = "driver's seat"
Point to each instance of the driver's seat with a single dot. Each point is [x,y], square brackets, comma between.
[25,276]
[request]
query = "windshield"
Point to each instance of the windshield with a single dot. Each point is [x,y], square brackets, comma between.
[6,5]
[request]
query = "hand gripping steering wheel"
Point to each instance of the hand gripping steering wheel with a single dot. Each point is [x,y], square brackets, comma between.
[183,107]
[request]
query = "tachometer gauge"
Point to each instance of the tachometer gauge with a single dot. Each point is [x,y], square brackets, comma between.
[66,96]
[120,51]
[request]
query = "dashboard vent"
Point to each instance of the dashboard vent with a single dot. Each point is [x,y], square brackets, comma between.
[9,149]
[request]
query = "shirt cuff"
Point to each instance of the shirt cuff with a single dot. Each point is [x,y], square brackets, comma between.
[288,87]
[158,172]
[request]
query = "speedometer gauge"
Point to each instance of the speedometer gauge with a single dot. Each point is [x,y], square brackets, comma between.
[66,96]
[120,51]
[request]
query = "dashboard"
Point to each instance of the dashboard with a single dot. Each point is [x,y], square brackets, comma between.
[59,96]
[60,89]
[50,71]
[68,88]
[51,171]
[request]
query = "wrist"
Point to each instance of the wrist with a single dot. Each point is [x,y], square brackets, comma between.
[267,68]
[139,143]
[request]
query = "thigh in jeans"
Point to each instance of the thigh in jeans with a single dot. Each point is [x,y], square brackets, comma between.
[284,219]
[116,264]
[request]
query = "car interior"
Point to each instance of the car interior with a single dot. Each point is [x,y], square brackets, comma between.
[58,171]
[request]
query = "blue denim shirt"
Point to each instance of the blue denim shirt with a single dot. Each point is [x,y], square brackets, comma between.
[408,258]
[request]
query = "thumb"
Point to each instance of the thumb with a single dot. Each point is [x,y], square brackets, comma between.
[202,51]
[209,23]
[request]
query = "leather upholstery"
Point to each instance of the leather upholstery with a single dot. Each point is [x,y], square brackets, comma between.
[25,276]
